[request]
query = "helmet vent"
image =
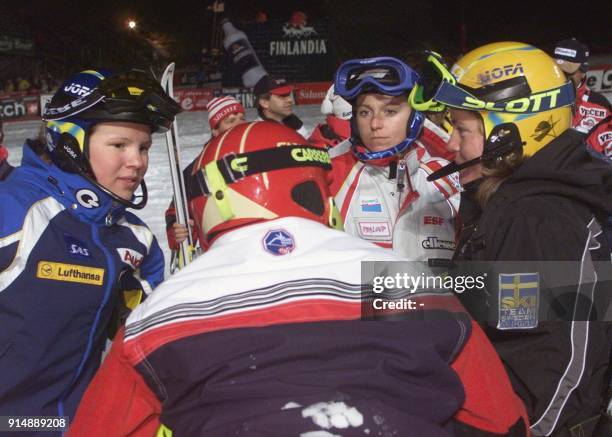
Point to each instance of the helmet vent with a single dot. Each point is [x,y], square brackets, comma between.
[308,196]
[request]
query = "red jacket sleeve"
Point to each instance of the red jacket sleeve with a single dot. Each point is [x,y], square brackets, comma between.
[490,402]
[117,402]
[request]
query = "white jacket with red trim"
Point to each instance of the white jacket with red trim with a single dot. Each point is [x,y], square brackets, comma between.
[417,221]
[263,330]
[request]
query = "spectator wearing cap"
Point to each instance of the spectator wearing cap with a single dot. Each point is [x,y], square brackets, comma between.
[224,113]
[591,107]
[275,103]
[337,126]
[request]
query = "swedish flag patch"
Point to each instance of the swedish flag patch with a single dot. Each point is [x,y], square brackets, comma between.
[519,295]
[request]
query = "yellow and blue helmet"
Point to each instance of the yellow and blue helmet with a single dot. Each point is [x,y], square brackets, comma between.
[518,90]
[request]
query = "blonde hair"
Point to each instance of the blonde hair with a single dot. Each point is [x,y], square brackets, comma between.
[494,173]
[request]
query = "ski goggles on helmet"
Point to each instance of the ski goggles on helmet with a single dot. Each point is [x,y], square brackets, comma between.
[385,74]
[131,96]
[433,73]
[510,96]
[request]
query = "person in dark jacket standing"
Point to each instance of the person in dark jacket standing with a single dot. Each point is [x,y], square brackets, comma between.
[68,247]
[543,200]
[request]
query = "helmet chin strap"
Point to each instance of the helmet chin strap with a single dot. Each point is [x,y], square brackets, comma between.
[127,203]
[504,139]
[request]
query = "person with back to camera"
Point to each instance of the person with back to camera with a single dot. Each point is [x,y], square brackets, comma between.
[68,247]
[538,200]
[272,310]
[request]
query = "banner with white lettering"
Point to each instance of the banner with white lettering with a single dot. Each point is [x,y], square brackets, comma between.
[599,78]
[18,105]
[299,49]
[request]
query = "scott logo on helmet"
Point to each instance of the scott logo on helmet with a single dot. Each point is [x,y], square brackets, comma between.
[538,102]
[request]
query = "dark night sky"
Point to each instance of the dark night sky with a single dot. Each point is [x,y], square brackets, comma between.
[364,28]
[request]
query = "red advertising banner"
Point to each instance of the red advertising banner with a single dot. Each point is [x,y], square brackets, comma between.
[194,99]
[310,93]
[19,106]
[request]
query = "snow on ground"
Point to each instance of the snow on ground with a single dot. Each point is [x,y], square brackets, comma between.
[194,131]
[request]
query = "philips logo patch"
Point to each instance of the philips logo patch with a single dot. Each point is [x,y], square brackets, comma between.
[278,242]
[370,205]
[76,248]
[374,230]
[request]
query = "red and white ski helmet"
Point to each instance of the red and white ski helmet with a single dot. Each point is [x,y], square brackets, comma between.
[260,171]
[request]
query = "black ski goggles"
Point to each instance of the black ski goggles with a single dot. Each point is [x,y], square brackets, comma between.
[131,96]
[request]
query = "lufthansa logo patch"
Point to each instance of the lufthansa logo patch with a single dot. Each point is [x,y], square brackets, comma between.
[70,273]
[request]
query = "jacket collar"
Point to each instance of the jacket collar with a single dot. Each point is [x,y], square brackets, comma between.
[79,196]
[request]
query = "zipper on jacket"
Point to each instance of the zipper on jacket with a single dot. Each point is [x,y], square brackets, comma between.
[107,292]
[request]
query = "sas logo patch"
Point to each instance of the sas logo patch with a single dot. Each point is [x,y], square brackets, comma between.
[518,300]
[279,242]
[370,205]
[69,273]
[76,248]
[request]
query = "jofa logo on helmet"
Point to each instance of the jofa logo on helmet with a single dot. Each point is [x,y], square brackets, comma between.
[499,72]
[88,198]
[79,90]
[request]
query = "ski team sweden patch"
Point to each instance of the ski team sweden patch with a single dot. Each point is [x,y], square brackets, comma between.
[518,300]
[69,273]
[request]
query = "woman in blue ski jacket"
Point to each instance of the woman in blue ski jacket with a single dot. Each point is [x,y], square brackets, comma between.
[69,250]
